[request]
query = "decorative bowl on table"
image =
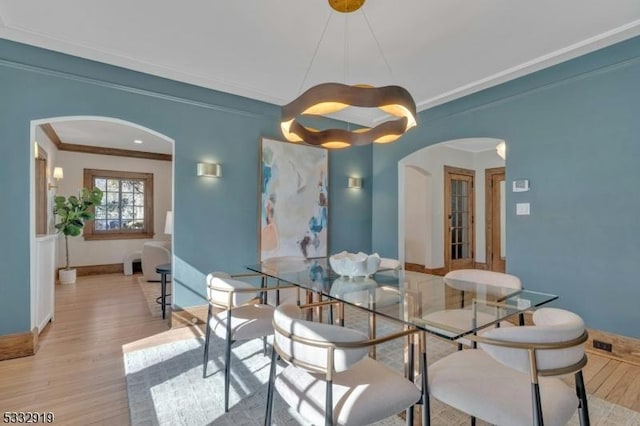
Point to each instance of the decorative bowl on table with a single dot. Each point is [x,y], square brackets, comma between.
[354,264]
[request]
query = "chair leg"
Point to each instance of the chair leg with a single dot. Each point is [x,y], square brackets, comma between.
[270,388]
[459,346]
[227,363]
[207,337]
[410,375]
[536,405]
[328,407]
[521,319]
[264,345]
[581,391]
[473,421]
[426,407]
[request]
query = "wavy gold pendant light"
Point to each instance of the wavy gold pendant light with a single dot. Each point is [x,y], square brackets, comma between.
[329,98]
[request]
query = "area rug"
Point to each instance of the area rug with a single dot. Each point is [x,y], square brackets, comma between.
[165,387]
[151,291]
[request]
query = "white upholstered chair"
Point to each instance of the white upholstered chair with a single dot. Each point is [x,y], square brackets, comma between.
[329,379]
[154,253]
[511,379]
[464,316]
[244,317]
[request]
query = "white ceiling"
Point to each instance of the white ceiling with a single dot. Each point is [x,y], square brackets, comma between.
[438,50]
[110,135]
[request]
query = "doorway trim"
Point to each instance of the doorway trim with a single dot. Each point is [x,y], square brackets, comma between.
[489,222]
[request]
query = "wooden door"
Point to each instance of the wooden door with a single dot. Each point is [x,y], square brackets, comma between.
[459,218]
[41,189]
[495,212]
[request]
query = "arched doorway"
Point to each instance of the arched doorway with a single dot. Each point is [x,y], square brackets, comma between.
[433,184]
[75,144]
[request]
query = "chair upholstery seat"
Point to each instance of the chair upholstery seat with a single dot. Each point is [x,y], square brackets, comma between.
[377,390]
[247,322]
[487,390]
[154,253]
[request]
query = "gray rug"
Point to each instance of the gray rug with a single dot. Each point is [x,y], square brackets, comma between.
[165,385]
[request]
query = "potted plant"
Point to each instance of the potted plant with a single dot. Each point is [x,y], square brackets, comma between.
[73,212]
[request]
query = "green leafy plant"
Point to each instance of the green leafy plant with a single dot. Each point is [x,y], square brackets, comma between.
[73,213]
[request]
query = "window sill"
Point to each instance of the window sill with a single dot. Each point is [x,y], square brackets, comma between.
[119,236]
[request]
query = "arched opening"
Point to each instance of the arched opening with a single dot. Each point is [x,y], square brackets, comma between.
[445,216]
[73,147]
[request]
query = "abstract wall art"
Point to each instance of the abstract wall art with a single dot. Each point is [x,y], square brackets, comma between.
[294,201]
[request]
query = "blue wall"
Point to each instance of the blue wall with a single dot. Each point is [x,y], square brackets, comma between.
[573,130]
[215,219]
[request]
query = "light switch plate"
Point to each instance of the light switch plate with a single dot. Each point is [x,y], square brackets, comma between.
[522,209]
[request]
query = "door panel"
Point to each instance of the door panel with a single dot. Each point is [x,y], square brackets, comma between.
[459,218]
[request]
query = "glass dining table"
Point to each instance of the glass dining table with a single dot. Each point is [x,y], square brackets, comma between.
[448,308]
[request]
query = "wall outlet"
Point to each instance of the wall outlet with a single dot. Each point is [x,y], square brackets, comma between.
[603,345]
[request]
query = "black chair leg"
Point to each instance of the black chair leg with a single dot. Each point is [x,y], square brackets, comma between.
[536,404]
[426,407]
[410,376]
[473,421]
[459,346]
[270,388]
[521,319]
[583,407]
[328,407]
[207,337]
[227,363]
[264,345]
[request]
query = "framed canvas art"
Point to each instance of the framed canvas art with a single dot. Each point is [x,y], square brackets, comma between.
[294,200]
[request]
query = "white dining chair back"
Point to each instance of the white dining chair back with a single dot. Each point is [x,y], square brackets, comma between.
[513,378]
[242,317]
[329,378]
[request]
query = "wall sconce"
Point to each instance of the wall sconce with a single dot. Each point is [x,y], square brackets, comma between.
[354,182]
[209,169]
[58,174]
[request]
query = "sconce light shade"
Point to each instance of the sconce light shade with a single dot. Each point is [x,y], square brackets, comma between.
[209,169]
[501,149]
[57,175]
[354,182]
[168,223]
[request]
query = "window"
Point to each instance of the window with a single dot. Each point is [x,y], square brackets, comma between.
[126,210]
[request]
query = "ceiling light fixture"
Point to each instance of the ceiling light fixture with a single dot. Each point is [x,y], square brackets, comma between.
[328,98]
[138,141]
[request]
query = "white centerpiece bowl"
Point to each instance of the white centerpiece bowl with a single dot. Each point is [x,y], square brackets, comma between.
[354,264]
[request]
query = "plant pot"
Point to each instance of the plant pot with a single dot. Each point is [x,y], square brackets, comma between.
[67,276]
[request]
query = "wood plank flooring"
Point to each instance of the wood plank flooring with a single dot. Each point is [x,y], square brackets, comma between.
[78,373]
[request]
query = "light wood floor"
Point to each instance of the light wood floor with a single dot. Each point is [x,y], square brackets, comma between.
[78,373]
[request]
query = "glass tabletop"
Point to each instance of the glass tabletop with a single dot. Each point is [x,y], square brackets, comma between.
[445,307]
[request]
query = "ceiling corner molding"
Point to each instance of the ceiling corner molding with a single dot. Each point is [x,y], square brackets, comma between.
[583,47]
[42,40]
[117,152]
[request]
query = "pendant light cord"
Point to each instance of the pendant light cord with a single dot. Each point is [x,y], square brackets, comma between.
[315,53]
[378,44]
